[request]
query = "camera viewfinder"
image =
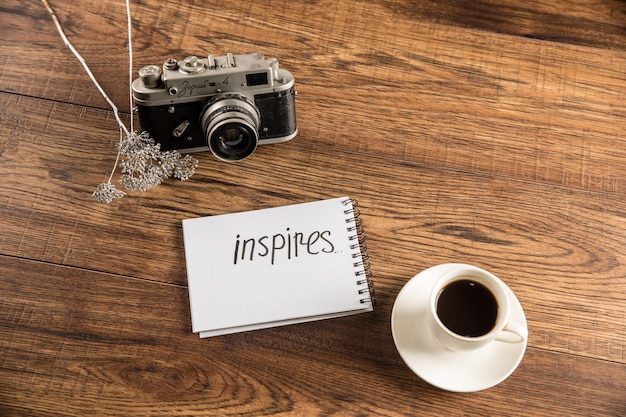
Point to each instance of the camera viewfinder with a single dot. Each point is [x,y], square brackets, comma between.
[257,78]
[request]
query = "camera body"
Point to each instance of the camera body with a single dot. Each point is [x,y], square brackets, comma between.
[227,104]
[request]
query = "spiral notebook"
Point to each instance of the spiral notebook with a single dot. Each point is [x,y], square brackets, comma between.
[276,266]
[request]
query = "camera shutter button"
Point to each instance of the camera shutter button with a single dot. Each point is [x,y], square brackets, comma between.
[192,65]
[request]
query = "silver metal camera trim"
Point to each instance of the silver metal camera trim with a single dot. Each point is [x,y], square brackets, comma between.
[233,108]
[228,76]
[210,81]
[271,141]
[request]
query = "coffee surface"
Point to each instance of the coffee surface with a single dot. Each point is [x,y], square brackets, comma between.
[467,308]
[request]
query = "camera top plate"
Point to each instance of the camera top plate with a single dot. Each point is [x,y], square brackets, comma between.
[196,78]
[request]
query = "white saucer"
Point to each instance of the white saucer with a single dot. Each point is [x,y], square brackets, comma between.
[452,371]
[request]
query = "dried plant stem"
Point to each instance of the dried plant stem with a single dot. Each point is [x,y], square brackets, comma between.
[144,165]
[117,158]
[84,64]
[130,64]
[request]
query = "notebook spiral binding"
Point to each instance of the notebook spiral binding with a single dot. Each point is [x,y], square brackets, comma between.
[364,273]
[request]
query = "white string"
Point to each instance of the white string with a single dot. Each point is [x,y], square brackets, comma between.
[130,62]
[117,158]
[84,64]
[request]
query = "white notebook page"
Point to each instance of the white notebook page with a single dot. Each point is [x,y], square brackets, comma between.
[272,267]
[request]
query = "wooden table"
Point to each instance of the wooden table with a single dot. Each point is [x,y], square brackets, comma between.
[491,133]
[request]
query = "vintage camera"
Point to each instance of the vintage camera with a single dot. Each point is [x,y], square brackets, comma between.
[226,104]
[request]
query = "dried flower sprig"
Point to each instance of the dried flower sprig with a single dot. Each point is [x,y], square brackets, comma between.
[143,164]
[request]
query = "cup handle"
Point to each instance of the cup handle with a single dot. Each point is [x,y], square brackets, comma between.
[513,333]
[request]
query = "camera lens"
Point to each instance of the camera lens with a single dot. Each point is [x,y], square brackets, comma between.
[230,123]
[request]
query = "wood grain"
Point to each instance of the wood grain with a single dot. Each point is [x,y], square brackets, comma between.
[554,112]
[118,343]
[485,132]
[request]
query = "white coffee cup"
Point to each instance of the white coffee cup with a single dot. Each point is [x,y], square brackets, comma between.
[469,308]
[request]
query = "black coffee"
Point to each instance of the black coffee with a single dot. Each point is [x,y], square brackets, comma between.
[467,308]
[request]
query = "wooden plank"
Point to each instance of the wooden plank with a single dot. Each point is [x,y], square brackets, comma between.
[535,237]
[421,91]
[121,346]
[483,132]
[559,21]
